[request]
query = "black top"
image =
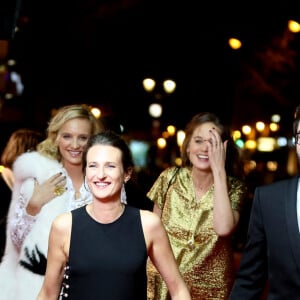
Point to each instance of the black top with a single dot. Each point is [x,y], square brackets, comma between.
[107,261]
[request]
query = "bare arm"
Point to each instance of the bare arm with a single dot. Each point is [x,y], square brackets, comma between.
[225,218]
[59,242]
[27,203]
[157,210]
[161,254]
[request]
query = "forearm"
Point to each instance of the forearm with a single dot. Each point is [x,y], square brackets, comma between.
[224,218]
[20,223]
[183,294]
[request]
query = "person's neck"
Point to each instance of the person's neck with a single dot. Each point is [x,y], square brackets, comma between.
[106,212]
[201,178]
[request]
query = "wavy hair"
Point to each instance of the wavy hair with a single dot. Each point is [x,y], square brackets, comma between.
[64,114]
[233,163]
[20,141]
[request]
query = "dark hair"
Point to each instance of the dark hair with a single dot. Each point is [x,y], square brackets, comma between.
[111,138]
[20,141]
[233,164]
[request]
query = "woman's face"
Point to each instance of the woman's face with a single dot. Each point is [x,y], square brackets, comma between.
[104,171]
[72,139]
[198,147]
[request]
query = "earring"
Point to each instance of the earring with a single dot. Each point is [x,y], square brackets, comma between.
[123,194]
[86,186]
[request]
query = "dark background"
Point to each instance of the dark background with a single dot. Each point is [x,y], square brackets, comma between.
[98,52]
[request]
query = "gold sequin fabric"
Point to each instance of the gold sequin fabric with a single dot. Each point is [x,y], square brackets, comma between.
[205,260]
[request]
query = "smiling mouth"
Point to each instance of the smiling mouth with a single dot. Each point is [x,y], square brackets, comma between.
[202,156]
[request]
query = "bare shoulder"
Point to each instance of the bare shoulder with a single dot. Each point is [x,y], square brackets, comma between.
[151,222]
[62,222]
[154,230]
[150,217]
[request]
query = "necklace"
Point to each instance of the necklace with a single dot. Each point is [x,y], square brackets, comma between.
[108,217]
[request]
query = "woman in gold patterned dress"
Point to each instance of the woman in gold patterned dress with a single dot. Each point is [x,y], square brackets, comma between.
[199,204]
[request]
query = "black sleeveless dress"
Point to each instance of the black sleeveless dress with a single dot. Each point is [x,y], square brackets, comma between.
[107,261]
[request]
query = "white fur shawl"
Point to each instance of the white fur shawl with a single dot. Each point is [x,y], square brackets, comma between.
[17,282]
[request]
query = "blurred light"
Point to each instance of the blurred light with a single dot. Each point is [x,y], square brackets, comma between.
[293,26]
[272,166]
[121,128]
[8,96]
[240,143]
[249,166]
[139,150]
[260,126]
[234,43]
[165,134]
[149,84]
[250,144]
[266,144]
[282,141]
[246,129]
[236,135]
[155,110]
[16,78]
[274,127]
[171,129]
[178,161]
[11,62]
[180,137]
[276,118]
[96,112]
[169,86]
[161,143]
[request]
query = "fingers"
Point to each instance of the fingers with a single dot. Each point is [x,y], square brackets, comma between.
[59,190]
[215,137]
[59,182]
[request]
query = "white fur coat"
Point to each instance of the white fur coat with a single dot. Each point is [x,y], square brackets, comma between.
[16,281]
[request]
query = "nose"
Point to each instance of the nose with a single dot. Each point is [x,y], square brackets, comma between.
[101,172]
[75,143]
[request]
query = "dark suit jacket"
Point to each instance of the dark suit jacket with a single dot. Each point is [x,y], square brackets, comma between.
[272,250]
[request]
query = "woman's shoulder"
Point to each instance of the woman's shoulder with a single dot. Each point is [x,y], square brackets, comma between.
[235,181]
[150,219]
[169,172]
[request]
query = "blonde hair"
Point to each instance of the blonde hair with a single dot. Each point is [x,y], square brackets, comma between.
[64,114]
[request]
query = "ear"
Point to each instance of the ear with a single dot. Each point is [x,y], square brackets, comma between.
[128,174]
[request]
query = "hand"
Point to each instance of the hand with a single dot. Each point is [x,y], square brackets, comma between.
[217,150]
[45,192]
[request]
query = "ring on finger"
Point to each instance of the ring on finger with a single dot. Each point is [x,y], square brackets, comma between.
[59,190]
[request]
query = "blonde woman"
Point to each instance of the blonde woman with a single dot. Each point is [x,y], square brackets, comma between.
[48,181]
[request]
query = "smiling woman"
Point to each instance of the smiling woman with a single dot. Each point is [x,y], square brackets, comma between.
[39,175]
[117,237]
[199,204]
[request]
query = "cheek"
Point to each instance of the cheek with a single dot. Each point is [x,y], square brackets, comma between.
[61,143]
[90,175]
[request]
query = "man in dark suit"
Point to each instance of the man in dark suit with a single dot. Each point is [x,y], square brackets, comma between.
[271,255]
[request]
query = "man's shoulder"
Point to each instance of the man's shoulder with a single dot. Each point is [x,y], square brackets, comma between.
[281,183]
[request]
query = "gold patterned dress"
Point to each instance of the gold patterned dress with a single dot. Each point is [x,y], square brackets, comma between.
[205,260]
